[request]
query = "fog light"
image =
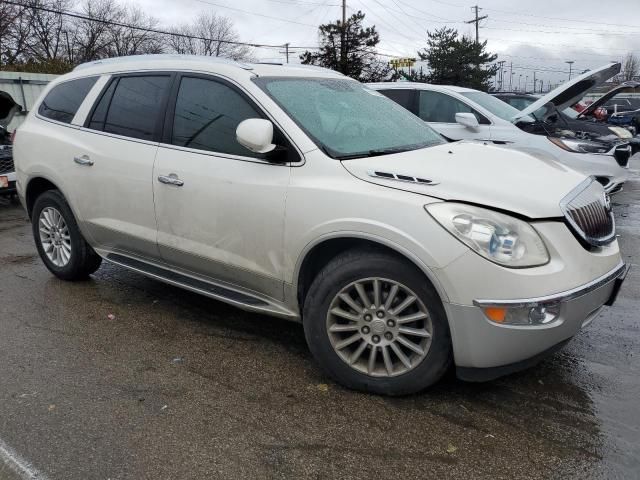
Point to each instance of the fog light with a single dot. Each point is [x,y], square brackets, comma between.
[538,315]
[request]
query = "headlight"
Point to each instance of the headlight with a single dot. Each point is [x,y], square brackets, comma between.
[621,132]
[580,146]
[497,237]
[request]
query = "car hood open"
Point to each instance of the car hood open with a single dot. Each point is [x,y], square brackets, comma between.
[571,92]
[474,173]
[610,94]
[8,108]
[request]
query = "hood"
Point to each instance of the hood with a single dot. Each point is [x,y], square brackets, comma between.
[607,96]
[474,173]
[571,92]
[8,108]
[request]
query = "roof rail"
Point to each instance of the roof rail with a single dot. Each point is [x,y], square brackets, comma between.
[161,57]
[301,66]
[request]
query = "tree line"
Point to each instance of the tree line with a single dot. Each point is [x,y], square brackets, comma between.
[53,36]
[41,35]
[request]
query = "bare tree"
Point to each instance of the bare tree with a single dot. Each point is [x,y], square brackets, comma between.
[217,37]
[14,32]
[133,39]
[630,68]
[46,27]
[91,38]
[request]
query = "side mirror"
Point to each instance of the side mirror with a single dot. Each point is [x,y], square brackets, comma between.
[256,134]
[468,120]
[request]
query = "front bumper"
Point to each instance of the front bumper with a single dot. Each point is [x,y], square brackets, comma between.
[481,344]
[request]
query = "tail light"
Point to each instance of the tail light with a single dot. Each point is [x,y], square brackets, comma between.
[12,138]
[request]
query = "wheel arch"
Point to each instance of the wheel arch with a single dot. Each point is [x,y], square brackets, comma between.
[318,253]
[36,187]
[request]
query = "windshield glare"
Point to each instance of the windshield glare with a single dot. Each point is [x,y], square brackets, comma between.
[494,105]
[346,119]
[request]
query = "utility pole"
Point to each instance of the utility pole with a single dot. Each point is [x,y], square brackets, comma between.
[534,81]
[570,62]
[511,77]
[500,79]
[343,34]
[477,21]
[286,51]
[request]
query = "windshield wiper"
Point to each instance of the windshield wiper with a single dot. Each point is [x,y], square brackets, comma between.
[376,152]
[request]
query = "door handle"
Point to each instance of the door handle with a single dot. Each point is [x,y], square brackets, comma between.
[171,179]
[84,160]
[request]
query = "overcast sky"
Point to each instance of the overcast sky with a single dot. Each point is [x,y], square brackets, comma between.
[537,35]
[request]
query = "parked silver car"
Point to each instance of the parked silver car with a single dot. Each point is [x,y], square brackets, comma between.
[295,191]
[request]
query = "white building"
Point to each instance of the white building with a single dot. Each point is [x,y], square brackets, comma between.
[24,88]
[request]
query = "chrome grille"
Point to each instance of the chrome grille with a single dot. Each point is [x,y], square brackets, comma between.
[6,160]
[588,210]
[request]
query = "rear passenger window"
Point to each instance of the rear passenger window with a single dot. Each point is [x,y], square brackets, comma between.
[207,114]
[404,97]
[64,100]
[131,106]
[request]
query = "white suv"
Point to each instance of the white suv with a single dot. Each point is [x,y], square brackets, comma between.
[298,192]
[460,113]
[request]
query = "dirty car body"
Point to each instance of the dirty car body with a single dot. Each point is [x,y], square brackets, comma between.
[297,192]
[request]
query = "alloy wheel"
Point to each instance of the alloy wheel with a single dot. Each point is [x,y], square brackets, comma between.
[379,327]
[54,236]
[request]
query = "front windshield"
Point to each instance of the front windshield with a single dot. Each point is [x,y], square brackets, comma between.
[346,119]
[493,104]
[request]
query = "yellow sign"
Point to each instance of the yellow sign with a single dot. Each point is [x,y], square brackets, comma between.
[402,62]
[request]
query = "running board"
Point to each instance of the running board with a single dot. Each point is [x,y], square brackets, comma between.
[224,294]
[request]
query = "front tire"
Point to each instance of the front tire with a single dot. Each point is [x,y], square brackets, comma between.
[374,323]
[60,244]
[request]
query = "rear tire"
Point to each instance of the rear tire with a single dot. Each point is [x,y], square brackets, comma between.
[60,244]
[386,351]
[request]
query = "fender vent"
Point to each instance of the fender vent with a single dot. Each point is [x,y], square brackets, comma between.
[402,178]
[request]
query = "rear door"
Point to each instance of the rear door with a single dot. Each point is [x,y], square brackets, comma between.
[113,163]
[439,110]
[219,207]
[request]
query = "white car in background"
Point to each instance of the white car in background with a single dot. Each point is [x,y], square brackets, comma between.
[459,113]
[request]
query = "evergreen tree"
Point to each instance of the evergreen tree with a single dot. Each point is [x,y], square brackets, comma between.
[356,57]
[456,60]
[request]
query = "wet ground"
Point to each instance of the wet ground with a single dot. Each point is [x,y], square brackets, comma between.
[124,377]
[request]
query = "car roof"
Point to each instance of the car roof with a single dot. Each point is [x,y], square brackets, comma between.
[219,65]
[419,86]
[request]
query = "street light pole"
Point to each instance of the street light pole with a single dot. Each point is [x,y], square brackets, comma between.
[570,62]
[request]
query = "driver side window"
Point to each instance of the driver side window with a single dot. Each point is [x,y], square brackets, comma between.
[207,114]
[442,108]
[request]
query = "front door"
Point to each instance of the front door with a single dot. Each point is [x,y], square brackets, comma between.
[439,111]
[219,207]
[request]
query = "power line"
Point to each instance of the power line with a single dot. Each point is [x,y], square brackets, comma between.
[135,27]
[256,14]
[511,12]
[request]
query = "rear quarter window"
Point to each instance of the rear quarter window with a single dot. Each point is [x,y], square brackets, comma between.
[64,100]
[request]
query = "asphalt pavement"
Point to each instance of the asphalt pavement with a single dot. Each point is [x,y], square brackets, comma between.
[123,377]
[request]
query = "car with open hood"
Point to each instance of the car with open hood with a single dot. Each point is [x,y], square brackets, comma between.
[297,192]
[8,108]
[570,123]
[460,113]
[619,106]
